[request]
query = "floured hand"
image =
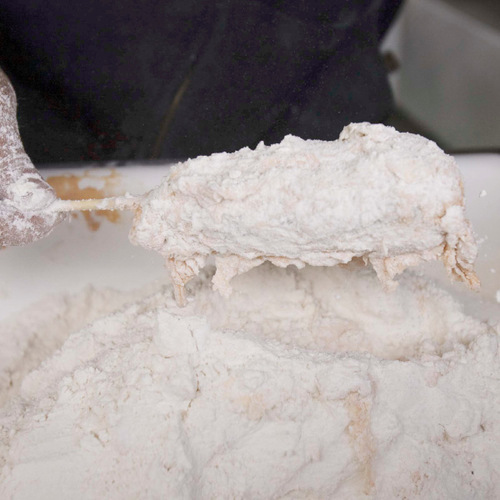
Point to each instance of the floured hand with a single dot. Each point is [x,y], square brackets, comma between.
[24,195]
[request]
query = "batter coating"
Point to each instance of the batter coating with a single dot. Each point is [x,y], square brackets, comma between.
[393,199]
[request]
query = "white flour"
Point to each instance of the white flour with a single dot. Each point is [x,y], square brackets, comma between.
[32,336]
[302,384]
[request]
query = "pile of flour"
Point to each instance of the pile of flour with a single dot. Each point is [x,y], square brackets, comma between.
[303,384]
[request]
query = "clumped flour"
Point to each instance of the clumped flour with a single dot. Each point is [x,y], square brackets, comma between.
[302,384]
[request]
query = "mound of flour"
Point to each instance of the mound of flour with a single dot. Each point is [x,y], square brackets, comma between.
[303,384]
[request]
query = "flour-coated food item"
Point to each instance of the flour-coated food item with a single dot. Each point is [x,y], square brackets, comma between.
[393,199]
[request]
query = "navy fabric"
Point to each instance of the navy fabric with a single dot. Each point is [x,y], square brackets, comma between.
[128,80]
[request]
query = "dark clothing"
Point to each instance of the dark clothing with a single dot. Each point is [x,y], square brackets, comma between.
[124,79]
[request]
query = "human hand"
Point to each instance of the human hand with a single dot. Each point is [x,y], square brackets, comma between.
[24,195]
[24,199]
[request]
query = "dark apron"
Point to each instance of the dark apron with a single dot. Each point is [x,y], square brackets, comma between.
[128,80]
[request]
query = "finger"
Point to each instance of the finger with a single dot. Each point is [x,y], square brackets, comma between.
[17,228]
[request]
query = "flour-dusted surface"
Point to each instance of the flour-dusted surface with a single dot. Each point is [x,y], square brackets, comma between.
[303,384]
[392,199]
[28,338]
